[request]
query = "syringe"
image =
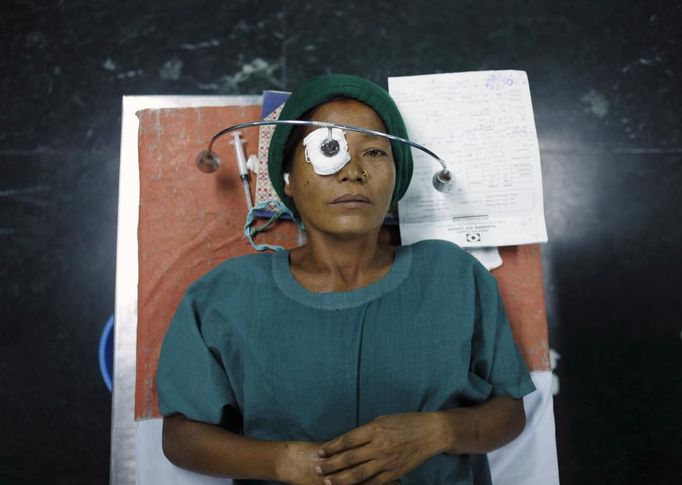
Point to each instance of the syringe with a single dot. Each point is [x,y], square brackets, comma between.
[241,164]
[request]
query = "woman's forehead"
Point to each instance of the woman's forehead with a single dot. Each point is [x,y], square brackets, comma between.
[348,111]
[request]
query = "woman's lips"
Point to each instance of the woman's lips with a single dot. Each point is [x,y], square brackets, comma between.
[352,200]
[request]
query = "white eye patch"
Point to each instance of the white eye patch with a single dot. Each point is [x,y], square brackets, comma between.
[327,157]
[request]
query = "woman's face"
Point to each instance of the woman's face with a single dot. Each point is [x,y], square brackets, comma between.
[353,201]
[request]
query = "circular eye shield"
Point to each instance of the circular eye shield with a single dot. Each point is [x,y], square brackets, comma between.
[327,150]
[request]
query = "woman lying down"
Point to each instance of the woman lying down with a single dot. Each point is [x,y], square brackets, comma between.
[346,360]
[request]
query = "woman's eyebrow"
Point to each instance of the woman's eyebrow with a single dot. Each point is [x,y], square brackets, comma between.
[372,137]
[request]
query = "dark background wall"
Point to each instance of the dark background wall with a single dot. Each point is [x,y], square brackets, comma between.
[605,80]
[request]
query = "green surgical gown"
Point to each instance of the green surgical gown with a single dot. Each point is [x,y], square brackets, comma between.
[251,350]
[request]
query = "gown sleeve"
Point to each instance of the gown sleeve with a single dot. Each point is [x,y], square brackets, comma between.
[190,378]
[497,367]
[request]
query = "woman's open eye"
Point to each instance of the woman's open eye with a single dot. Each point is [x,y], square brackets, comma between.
[375,153]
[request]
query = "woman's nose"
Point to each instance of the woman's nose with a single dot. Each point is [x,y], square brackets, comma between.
[352,171]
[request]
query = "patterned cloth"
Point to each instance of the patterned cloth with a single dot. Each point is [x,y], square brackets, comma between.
[265,193]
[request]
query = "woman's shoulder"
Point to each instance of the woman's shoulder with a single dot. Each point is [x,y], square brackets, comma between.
[438,256]
[234,272]
[439,248]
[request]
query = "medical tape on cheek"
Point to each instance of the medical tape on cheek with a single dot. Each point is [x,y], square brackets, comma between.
[324,164]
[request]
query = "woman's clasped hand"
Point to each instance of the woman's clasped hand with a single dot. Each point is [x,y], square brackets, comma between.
[380,452]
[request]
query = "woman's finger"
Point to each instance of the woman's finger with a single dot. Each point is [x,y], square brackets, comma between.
[383,478]
[344,459]
[346,441]
[357,474]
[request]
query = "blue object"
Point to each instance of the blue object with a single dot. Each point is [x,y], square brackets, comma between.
[106,352]
[272,100]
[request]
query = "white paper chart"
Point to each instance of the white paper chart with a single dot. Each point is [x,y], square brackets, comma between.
[481,123]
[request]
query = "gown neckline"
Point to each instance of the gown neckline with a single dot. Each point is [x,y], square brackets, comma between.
[339,300]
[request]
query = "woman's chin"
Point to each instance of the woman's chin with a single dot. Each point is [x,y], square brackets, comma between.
[348,227]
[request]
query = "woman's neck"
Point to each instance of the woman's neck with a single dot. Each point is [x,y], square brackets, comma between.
[328,264]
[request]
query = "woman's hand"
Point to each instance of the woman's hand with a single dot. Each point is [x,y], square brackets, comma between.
[299,463]
[380,452]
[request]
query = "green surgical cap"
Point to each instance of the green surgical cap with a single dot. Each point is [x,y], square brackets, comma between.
[321,89]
